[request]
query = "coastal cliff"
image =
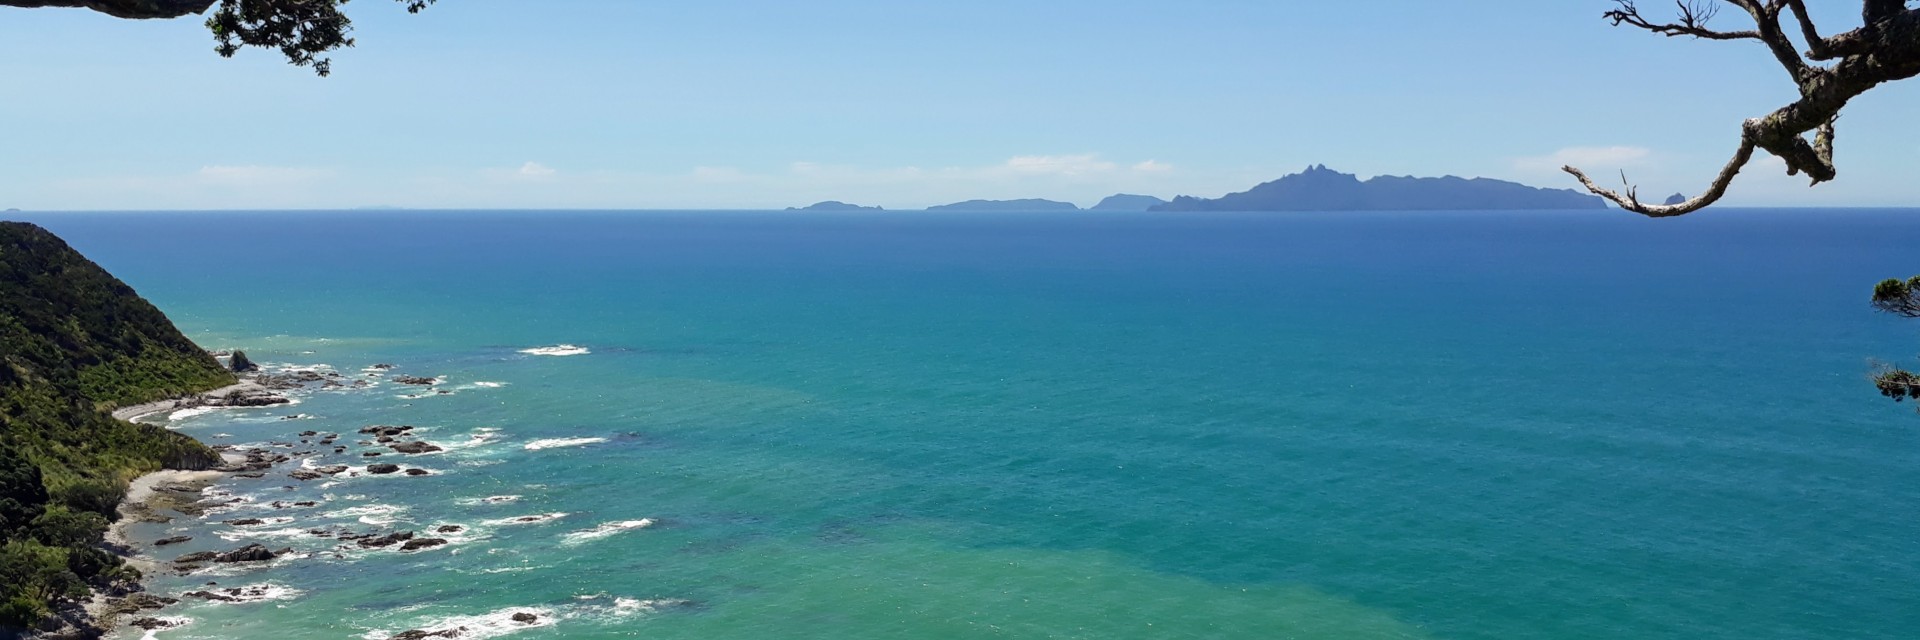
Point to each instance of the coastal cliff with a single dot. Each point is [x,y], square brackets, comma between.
[75,343]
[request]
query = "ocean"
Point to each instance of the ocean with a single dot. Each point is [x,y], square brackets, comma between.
[734,425]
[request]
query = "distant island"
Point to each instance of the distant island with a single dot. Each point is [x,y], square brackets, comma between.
[1028,205]
[1676,199]
[1322,189]
[834,205]
[1128,202]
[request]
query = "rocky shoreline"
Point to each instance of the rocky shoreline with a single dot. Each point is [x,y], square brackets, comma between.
[163,496]
[256,388]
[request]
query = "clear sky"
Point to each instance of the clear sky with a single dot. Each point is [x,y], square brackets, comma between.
[757,104]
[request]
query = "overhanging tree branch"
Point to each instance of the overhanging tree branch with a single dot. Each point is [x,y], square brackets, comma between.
[1631,202]
[301,30]
[133,9]
[1816,46]
[1693,21]
[1885,49]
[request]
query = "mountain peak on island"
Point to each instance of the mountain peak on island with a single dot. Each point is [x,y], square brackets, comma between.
[1319,188]
[1128,202]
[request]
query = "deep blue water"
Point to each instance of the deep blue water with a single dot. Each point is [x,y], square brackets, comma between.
[1404,425]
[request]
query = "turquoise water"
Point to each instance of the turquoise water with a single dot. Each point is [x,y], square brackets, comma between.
[1434,425]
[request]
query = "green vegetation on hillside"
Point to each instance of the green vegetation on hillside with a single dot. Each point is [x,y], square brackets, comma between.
[74,343]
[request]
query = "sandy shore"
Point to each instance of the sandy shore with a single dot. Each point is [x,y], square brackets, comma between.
[144,501]
[138,411]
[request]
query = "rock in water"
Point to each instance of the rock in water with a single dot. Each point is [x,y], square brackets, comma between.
[422,543]
[388,540]
[380,469]
[244,398]
[249,553]
[415,447]
[239,363]
[525,618]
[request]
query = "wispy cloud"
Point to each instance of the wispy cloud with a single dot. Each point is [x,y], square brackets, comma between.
[1589,158]
[1074,165]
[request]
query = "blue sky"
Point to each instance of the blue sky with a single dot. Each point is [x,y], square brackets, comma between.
[746,104]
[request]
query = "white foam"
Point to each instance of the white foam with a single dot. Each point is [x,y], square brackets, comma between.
[234,535]
[489,385]
[630,606]
[171,622]
[479,437]
[605,530]
[487,500]
[188,413]
[532,519]
[487,625]
[552,443]
[426,394]
[264,592]
[218,509]
[374,514]
[557,350]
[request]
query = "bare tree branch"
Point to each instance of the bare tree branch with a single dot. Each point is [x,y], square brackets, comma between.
[1886,49]
[1877,10]
[1816,46]
[1631,201]
[1693,21]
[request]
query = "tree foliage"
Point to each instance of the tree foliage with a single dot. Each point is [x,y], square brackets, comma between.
[1901,298]
[301,30]
[1831,71]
